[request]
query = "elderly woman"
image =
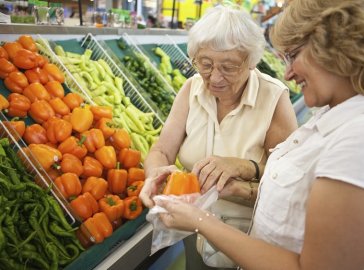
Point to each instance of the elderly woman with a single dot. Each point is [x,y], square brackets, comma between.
[226,118]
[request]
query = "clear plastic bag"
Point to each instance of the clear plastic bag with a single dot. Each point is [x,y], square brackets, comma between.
[164,237]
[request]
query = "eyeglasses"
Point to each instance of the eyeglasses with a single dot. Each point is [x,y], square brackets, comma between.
[289,57]
[206,66]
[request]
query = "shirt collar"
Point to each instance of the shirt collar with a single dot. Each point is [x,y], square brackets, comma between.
[249,96]
[340,114]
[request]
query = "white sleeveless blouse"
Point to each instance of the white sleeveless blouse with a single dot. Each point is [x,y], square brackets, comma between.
[242,132]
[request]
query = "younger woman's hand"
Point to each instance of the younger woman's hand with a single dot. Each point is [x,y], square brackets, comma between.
[181,215]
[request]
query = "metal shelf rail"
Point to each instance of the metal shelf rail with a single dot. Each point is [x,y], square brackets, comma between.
[178,58]
[101,51]
[70,82]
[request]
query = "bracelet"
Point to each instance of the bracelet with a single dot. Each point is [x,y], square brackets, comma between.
[257,172]
[201,219]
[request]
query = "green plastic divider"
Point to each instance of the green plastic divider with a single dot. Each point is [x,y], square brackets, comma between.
[90,258]
[71,45]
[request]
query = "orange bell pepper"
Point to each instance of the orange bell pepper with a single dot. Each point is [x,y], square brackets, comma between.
[59,107]
[112,206]
[15,125]
[135,174]
[36,75]
[73,100]
[179,183]
[116,179]
[53,173]
[3,53]
[36,91]
[12,48]
[41,60]
[69,185]
[120,139]
[71,164]
[16,81]
[41,111]
[55,89]
[81,119]
[47,156]
[19,105]
[73,146]
[4,103]
[25,59]
[107,156]
[98,226]
[105,125]
[54,73]
[6,67]
[94,139]
[57,129]
[84,205]
[135,188]
[97,186]
[129,157]
[92,167]
[101,112]
[133,207]
[27,42]
[36,134]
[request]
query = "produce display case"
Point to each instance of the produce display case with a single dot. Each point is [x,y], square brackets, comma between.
[137,50]
[137,96]
[141,71]
[30,162]
[178,57]
[94,255]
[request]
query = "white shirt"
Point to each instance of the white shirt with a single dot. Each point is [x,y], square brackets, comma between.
[330,145]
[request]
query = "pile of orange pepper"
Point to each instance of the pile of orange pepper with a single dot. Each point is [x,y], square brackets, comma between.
[91,164]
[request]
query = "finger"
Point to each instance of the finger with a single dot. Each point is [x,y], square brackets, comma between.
[145,198]
[224,178]
[199,165]
[211,180]
[148,190]
[205,172]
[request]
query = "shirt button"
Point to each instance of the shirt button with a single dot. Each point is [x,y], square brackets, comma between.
[274,176]
[295,141]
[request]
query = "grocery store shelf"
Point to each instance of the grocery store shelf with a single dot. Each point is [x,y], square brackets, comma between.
[74,30]
[124,257]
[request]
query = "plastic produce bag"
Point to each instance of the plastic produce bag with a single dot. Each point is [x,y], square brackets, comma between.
[162,236]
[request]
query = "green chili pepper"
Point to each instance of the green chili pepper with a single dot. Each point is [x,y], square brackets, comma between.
[35,258]
[58,212]
[51,250]
[2,236]
[58,230]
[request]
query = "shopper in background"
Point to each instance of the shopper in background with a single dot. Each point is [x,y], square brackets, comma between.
[309,211]
[223,117]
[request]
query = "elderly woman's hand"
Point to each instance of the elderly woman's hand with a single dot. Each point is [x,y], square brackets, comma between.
[238,188]
[153,184]
[216,170]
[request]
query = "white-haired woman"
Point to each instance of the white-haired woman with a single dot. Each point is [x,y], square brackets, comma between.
[225,119]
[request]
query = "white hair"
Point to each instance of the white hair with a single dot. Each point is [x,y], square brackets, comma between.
[225,28]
